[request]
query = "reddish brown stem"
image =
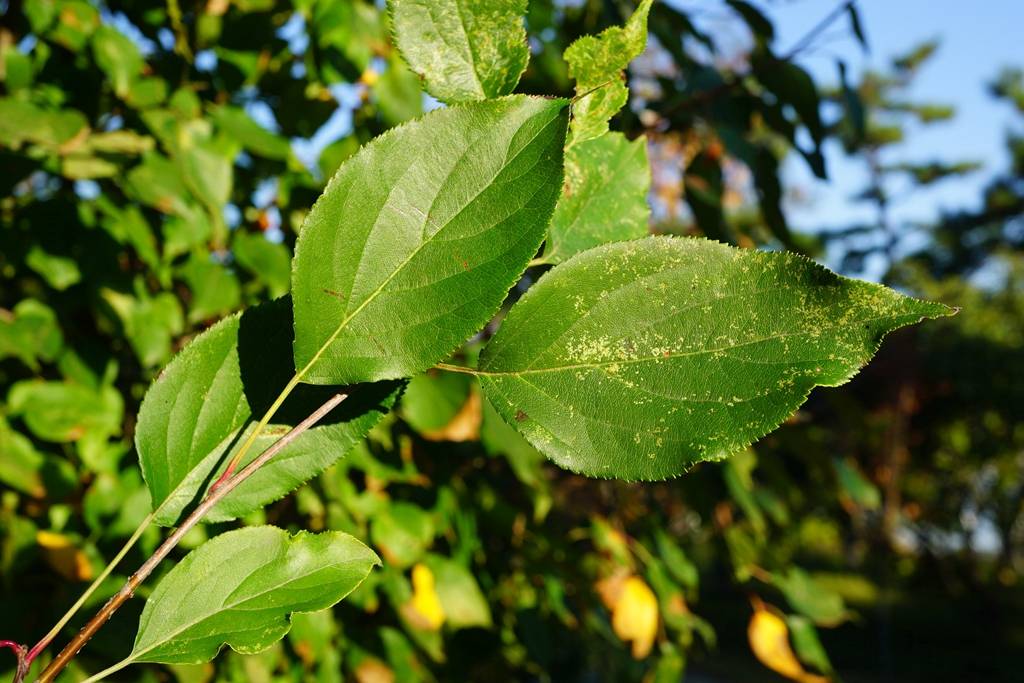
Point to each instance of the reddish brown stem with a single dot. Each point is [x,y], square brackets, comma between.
[214,496]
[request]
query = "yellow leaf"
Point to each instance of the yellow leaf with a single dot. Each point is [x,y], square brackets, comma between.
[424,609]
[62,555]
[635,615]
[464,426]
[769,640]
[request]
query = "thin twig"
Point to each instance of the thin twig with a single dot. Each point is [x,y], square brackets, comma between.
[212,498]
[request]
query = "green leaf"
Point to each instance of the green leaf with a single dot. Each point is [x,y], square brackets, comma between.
[807,644]
[269,262]
[22,121]
[398,93]
[21,464]
[240,588]
[821,605]
[195,416]
[402,532]
[234,122]
[60,272]
[118,57]
[149,322]
[462,600]
[638,359]
[30,333]
[59,412]
[604,198]
[465,50]
[418,237]
[215,290]
[597,62]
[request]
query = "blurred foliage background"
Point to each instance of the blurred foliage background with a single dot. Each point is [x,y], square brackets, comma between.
[156,161]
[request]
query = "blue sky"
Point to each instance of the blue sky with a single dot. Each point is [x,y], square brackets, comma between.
[977,39]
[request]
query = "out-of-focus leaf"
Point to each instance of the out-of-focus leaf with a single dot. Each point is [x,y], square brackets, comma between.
[118,57]
[604,197]
[807,644]
[398,93]
[234,122]
[461,599]
[150,323]
[215,291]
[402,532]
[819,604]
[55,411]
[21,463]
[63,555]
[269,262]
[769,640]
[603,364]
[21,122]
[464,50]
[218,594]
[30,333]
[856,486]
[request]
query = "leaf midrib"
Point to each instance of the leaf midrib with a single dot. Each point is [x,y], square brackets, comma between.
[648,359]
[405,262]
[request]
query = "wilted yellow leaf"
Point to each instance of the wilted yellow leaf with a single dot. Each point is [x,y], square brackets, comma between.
[424,609]
[61,554]
[769,640]
[464,426]
[634,611]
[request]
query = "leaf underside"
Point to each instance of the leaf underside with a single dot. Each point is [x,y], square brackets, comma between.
[199,411]
[638,359]
[240,588]
[417,239]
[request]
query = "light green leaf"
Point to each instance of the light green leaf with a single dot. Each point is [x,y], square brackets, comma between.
[30,332]
[195,416]
[59,412]
[21,464]
[236,123]
[118,57]
[604,198]
[818,603]
[240,588]
[464,49]
[638,359]
[597,62]
[398,93]
[149,322]
[418,237]
[22,121]
[60,272]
